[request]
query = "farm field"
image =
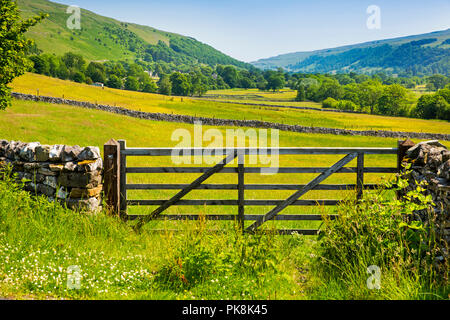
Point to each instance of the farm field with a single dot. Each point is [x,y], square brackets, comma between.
[47,86]
[48,124]
[336,203]
[138,261]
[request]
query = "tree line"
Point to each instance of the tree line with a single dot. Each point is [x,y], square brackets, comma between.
[139,75]
[378,94]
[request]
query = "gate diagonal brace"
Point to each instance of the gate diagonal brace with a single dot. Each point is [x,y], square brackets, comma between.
[186,190]
[312,184]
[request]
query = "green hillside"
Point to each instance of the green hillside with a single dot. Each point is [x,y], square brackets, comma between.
[414,55]
[102,38]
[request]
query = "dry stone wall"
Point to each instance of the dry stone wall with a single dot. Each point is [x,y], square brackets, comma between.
[430,163]
[69,174]
[229,122]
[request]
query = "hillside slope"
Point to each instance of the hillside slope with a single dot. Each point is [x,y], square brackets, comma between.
[102,38]
[418,54]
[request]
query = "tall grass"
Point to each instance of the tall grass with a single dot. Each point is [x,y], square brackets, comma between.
[41,240]
[379,232]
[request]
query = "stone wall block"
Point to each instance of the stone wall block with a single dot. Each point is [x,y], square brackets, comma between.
[55,152]
[79,180]
[70,174]
[89,153]
[43,153]
[70,153]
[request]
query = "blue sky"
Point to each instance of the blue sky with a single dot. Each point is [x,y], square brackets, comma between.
[249,29]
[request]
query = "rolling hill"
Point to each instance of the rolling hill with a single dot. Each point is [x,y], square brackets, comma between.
[101,38]
[418,54]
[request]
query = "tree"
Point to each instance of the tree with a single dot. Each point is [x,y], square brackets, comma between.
[369,94]
[432,106]
[393,101]
[78,77]
[329,88]
[74,61]
[132,84]
[181,84]
[329,103]
[275,82]
[114,82]
[301,93]
[164,85]
[437,81]
[13,47]
[229,75]
[150,87]
[96,71]
[40,65]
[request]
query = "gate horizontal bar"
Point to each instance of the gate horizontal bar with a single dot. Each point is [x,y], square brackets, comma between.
[308,232]
[247,186]
[250,151]
[255,170]
[233,202]
[285,217]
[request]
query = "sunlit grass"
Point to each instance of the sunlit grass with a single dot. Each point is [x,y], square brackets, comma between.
[30,83]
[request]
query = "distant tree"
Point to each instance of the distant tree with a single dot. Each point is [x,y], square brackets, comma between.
[114,82]
[393,101]
[344,79]
[369,94]
[437,81]
[445,93]
[181,85]
[74,61]
[329,103]
[301,93]
[246,83]
[164,85]
[275,82]
[78,77]
[132,84]
[230,76]
[346,105]
[96,71]
[40,65]
[150,87]
[13,47]
[329,88]
[199,84]
[62,72]
[432,106]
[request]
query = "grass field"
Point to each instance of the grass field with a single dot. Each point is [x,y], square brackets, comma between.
[141,265]
[30,83]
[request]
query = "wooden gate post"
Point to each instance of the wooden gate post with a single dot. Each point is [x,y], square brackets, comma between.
[111,161]
[360,176]
[241,186]
[403,146]
[123,180]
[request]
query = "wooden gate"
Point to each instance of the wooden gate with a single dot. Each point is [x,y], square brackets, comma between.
[116,185]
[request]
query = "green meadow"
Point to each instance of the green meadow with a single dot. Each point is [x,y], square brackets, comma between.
[46,86]
[118,263]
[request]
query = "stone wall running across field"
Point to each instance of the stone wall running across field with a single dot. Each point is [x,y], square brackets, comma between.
[69,174]
[230,122]
[430,163]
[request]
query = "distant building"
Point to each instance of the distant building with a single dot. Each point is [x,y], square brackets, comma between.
[98,84]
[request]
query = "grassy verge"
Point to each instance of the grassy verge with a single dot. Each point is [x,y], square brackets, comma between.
[41,241]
